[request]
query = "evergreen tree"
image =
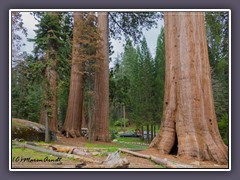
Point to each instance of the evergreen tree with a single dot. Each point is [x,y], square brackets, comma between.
[159,75]
[49,38]
[217,36]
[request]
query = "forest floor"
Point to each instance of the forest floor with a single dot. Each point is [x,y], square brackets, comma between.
[104,148]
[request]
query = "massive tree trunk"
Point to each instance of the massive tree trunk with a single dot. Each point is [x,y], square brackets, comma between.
[100,124]
[73,120]
[189,119]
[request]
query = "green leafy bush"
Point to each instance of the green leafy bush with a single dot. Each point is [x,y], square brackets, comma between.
[120,122]
[113,135]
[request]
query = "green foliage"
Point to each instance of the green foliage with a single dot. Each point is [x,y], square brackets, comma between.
[63,92]
[131,24]
[113,135]
[159,76]
[223,128]
[26,90]
[138,80]
[217,36]
[54,31]
[121,121]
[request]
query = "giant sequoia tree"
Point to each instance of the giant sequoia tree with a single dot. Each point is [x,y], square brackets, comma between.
[100,124]
[85,38]
[129,23]
[72,124]
[189,119]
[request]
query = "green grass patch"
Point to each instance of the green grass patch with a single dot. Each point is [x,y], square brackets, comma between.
[14,123]
[133,146]
[108,148]
[111,148]
[19,152]
[24,152]
[129,139]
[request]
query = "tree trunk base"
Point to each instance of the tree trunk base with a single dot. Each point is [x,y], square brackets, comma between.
[71,133]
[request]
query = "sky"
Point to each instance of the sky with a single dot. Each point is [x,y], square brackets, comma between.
[151,37]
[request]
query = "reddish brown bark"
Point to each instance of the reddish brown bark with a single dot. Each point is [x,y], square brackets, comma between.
[100,124]
[73,121]
[53,118]
[189,118]
[42,116]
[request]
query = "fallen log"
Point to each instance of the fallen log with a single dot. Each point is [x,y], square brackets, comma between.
[58,154]
[70,150]
[113,161]
[165,162]
[67,149]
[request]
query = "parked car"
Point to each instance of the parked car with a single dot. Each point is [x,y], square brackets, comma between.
[130,134]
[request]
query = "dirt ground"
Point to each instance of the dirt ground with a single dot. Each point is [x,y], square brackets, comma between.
[135,162]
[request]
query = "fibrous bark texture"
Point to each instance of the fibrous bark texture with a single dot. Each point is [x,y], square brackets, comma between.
[73,121]
[53,118]
[189,118]
[100,124]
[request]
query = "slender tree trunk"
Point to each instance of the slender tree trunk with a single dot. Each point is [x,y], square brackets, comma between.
[42,114]
[89,119]
[100,130]
[189,117]
[151,132]
[154,130]
[124,118]
[84,120]
[73,121]
[148,139]
[47,137]
[142,131]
